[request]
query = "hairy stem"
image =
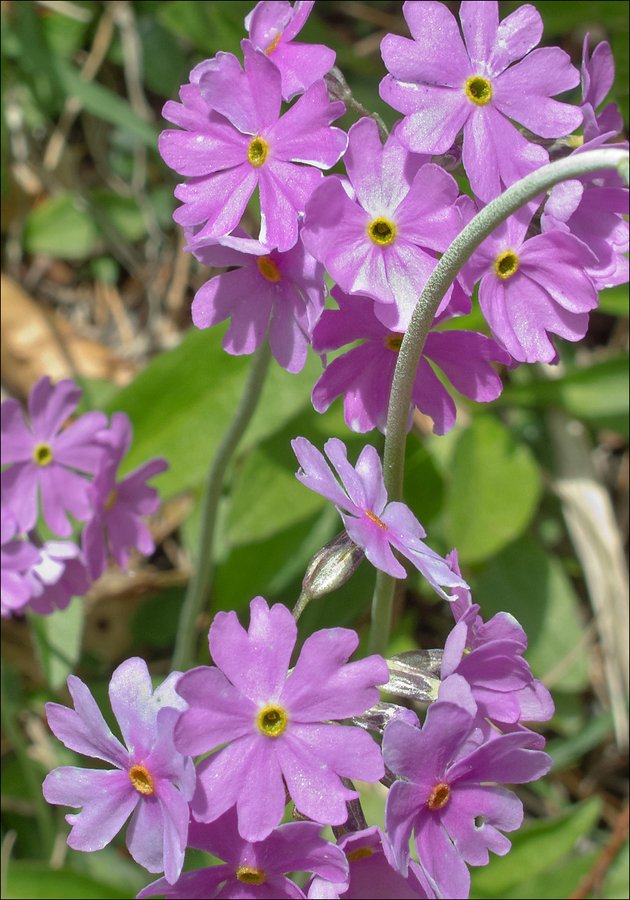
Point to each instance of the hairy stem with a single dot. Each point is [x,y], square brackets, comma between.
[199,585]
[457,255]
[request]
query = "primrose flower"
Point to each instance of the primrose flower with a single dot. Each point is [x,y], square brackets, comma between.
[17,557]
[489,655]
[530,288]
[43,458]
[443,86]
[151,779]
[364,374]
[115,523]
[235,140]
[279,293]
[272,27]
[598,75]
[383,241]
[253,870]
[58,575]
[373,524]
[444,794]
[276,728]
[373,872]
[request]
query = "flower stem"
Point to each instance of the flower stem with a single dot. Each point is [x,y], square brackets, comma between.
[453,261]
[199,584]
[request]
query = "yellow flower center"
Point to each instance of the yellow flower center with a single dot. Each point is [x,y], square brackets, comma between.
[479,90]
[506,264]
[142,779]
[272,720]
[42,454]
[111,499]
[382,231]
[257,151]
[268,269]
[250,876]
[439,796]
[376,520]
[272,46]
[361,853]
[393,341]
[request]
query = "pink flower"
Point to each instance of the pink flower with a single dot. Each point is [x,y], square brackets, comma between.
[44,458]
[116,523]
[272,27]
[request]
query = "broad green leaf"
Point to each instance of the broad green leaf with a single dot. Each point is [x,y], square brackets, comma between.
[616,884]
[536,848]
[532,585]
[123,213]
[567,752]
[165,65]
[268,498]
[493,490]
[555,884]
[59,641]
[614,301]
[28,879]
[209,26]
[60,227]
[424,486]
[598,394]
[181,404]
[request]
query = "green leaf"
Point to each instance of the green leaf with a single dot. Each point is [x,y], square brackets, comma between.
[493,491]
[210,27]
[60,227]
[59,641]
[268,499]
[123,213]
[536,848]
[614,301]
[532,585]
[27,879]
[598,394]
[424,486]
[106,105]
[567,752]
[181,403]
[616,884]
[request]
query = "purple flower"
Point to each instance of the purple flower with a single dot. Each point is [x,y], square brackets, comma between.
[443,86]
[277,729]
[253,871]
[591,209]
[444,795]
[272,27]
[373,872]
[17,556]
[489,655]
[598,75]
[151,779]
[364,374]
[282,293]
[382,241]
[235,140]
[116,507]
[43,457]
[373,524]
[530,288]
[57,577]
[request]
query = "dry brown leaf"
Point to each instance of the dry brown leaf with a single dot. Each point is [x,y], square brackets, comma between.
[35,343]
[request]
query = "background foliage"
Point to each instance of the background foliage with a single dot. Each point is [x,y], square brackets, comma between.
[96,287]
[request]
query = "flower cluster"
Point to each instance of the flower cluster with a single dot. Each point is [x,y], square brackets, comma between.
[213,756]
[47,462]
[268,734]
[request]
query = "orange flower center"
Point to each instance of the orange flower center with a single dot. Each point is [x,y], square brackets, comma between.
[506,264]
[272,46]
[272,720]
[439,796]
[42,454]
[393,341]
[382,231]
[361,853]
[142,779]
[257,151]
[268,269]
[250,876]
[376,520]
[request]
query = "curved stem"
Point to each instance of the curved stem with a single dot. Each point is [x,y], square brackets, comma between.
[457,255]
[199,584]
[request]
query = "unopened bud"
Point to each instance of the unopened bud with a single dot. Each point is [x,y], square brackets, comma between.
[332,566]
[415,674]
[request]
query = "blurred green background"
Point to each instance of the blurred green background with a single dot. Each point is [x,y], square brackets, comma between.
[532,489]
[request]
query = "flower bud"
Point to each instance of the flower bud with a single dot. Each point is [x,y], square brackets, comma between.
[415,674]
[332,566]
